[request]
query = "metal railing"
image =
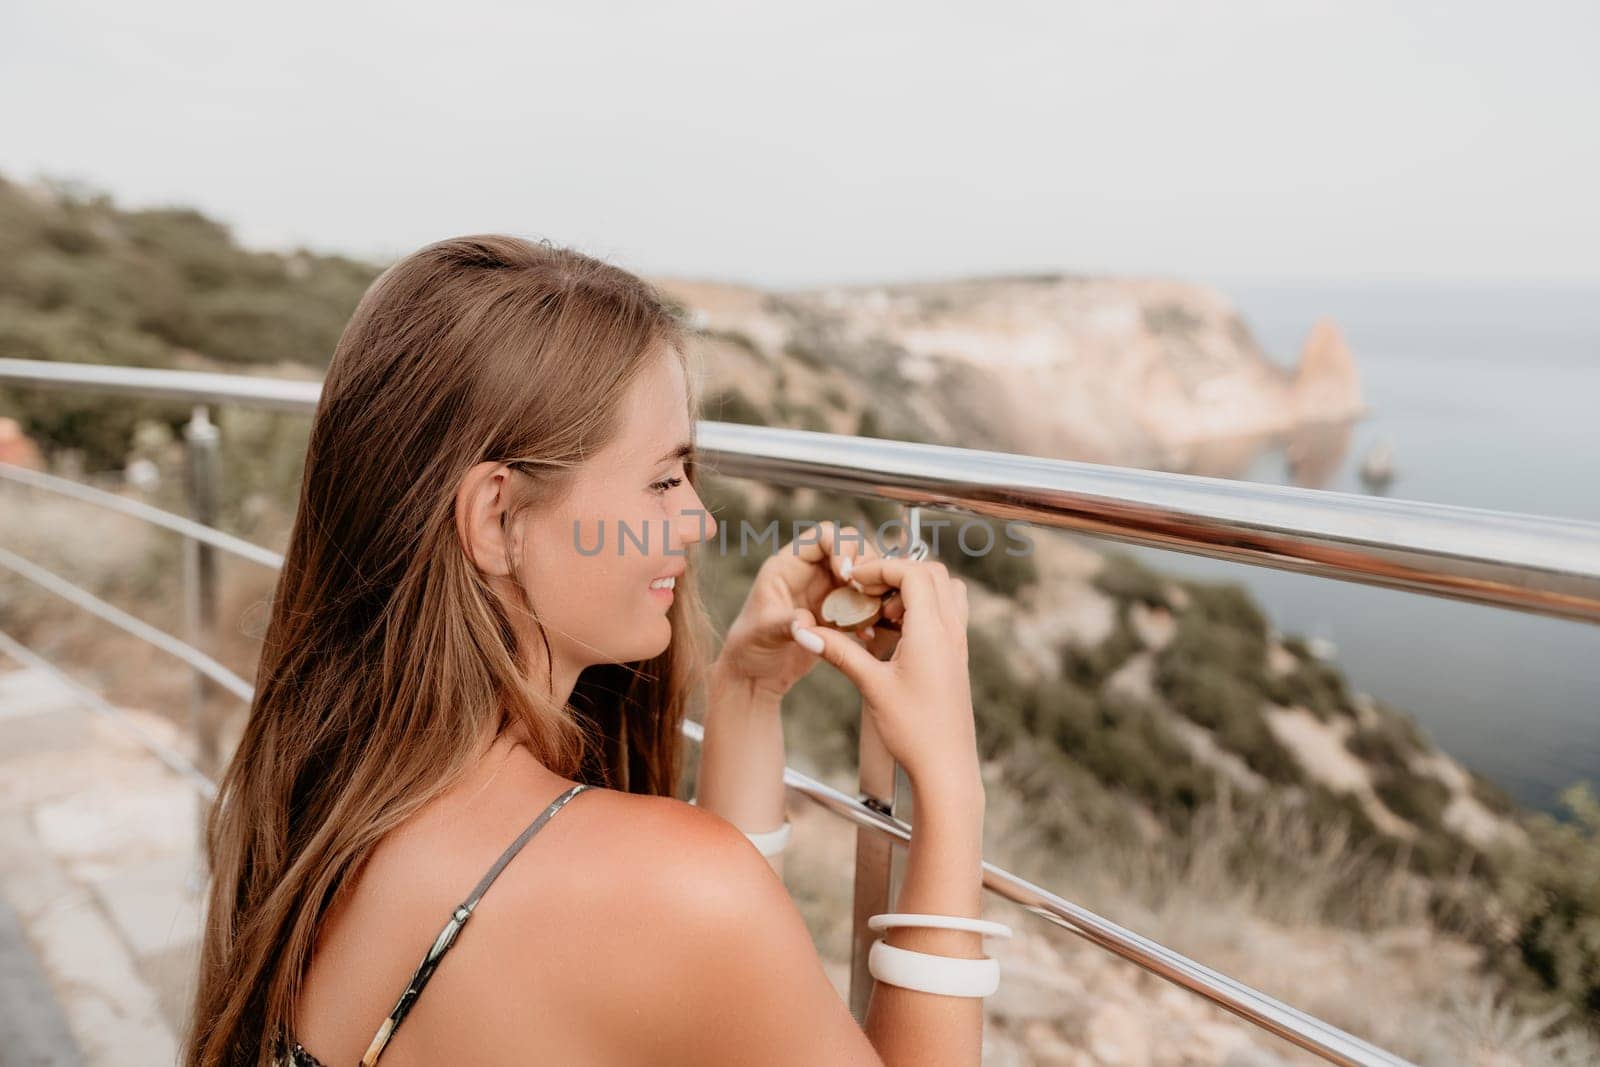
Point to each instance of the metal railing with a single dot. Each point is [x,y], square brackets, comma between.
[1528,563]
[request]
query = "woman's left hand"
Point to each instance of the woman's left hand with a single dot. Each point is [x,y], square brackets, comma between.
[760,648]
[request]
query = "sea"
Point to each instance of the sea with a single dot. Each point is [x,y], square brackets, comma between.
[1486,395]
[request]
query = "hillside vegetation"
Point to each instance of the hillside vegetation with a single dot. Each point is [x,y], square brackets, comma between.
[1150,741]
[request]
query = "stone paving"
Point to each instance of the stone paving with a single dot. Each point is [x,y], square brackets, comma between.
[98,873]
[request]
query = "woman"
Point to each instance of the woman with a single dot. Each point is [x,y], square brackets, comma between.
[461,654]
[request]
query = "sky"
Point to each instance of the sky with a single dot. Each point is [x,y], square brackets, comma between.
[806,144]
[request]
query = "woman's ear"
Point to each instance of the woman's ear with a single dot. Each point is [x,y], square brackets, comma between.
[480,515]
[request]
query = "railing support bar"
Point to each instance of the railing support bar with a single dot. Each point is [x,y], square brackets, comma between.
[879,865]
[202,480]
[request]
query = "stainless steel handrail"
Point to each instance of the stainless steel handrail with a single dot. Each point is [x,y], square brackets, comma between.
[1530,563]
[1265,1012]
[138,509]
[195,387]
[1537,564]
[150,635]
[174,760]
[1269,1014]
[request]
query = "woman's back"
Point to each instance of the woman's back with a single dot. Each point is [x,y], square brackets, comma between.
[629,929]
[535,956]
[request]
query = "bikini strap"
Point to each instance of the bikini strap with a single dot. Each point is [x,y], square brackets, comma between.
[458,919]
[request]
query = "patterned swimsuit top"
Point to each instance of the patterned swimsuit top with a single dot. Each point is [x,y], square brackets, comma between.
[292,1054]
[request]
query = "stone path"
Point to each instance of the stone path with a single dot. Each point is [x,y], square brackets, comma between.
[98,917]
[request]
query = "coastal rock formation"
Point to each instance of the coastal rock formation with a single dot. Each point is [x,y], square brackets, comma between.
[1326,385]
[1101,369]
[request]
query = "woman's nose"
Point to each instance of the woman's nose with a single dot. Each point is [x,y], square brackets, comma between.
[695,522]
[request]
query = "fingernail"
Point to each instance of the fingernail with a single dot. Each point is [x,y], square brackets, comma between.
[806,639]
[846,565]
[866,631]
[856,586]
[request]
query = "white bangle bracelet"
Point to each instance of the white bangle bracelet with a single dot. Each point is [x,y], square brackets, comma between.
[986,927]
[948,976]
[768,842]
[771,842]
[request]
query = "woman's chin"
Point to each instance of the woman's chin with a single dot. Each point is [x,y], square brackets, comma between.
[663,642]
[652,639]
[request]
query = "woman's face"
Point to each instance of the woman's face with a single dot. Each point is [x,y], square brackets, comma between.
[627,520]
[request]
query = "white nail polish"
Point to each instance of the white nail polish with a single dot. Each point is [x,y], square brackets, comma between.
[846,565]
[856,586]
[806,639]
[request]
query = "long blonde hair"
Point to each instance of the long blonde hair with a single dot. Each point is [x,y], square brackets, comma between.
[388,659]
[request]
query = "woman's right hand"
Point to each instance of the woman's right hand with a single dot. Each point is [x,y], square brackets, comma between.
[920,699]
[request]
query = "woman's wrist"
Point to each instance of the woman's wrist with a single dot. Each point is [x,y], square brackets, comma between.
[741,754]
[956,794]
[731,688]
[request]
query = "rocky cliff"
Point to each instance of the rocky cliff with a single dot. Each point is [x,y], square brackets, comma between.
[1108,370]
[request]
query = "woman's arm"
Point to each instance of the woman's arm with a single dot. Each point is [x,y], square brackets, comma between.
[943,876]
[733,976]
[742,756]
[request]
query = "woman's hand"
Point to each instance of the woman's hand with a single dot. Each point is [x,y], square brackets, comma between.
[760,649]
[920,698]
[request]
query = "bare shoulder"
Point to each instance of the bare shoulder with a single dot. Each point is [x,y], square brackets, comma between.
[738,979]
[674,846]
[689,948]
[671,865]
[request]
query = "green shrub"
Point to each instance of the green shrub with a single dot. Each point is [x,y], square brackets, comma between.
[1316,686]
[1553,888]
[86,282]
[799,416]
[1063,714]
[1404,726]
[1419,799]
[730,405]
[1342,810]
[1134,750]
[1200,640]
[989,563]
[1227,604]
[999,697]
[1122,576]
[1090,667]
[100,425]
[1210,695]
[1122,742]
[1431,854]
[1382,746]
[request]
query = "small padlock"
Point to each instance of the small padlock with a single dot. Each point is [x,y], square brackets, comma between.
[846,608]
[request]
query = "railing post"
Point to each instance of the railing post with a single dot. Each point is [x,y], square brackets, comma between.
[202,480]
[879,868]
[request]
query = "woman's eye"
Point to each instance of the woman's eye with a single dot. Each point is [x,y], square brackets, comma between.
[667,486]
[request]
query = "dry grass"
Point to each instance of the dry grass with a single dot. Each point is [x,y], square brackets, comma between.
[1261,895]
[1266,897]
